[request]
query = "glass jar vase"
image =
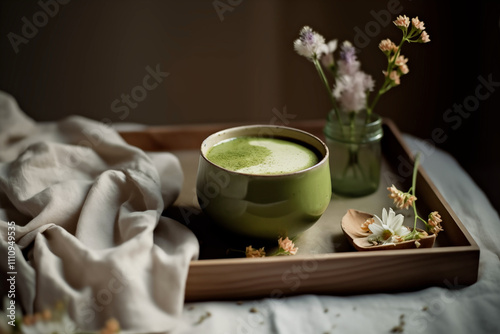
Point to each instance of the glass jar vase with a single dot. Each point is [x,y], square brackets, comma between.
[355,153]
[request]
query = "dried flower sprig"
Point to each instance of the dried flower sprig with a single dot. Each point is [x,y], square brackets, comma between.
[390,229]
[404,200]
[312,45]
[252,252]
[401,199]
[285,247]
[352,86]
[396,63]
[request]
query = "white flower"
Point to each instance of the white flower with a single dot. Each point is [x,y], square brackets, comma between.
[348,67]
[351,90]
[327,51]
[389,229]
[310,44]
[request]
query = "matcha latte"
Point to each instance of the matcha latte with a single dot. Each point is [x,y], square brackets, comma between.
[262,156]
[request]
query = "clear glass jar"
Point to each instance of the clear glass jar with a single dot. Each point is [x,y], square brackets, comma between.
[355,154]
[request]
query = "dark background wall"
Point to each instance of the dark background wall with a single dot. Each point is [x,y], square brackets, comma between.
[236,64]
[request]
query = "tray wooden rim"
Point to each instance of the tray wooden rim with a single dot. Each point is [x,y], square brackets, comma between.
[204,274]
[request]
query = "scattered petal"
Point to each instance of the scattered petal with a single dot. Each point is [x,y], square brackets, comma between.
[252,252]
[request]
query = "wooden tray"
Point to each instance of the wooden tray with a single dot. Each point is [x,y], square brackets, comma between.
[325,263]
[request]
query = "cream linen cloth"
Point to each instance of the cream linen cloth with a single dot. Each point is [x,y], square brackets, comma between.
[87,209]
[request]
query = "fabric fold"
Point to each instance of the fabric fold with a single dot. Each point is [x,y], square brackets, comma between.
[89,232]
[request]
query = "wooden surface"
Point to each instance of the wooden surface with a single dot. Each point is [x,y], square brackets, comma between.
[325,263]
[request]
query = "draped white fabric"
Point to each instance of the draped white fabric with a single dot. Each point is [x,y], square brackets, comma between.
[88,226]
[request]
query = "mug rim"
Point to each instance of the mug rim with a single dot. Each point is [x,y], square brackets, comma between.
[322,161]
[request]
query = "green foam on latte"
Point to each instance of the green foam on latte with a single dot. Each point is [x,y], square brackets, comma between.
[262,156]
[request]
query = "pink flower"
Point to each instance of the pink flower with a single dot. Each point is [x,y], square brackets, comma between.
[394,75]
[424,37]
[417,23]
[367,222]
[387,45]
[433,222]
[402,21]
[327,53]
[401,200]
[288,246]
[348,68]
[351,90]
[397,238]
[401,60]
[404,69]
[252,252]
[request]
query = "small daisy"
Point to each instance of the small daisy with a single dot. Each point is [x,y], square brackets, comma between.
[389,229]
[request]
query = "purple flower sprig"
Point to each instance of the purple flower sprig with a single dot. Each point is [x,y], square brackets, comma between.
[312,45]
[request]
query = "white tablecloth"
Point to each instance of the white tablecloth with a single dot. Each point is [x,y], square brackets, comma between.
[473,309]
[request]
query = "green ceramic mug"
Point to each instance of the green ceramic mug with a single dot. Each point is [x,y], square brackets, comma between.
[264,206]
